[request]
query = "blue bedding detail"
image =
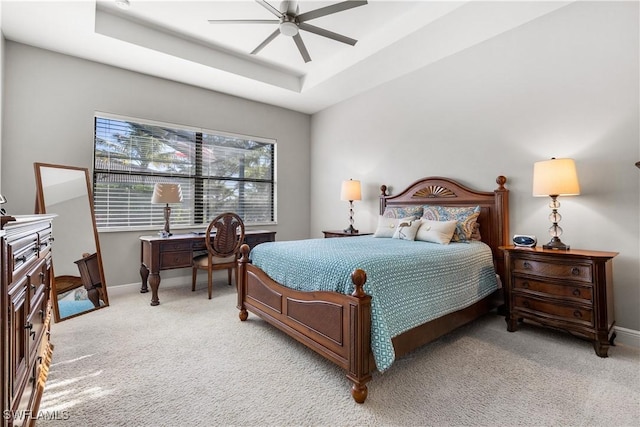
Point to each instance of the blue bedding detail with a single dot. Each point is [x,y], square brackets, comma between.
[411,282]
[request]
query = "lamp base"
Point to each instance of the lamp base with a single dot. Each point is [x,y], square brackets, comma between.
[556,244]
[351,230]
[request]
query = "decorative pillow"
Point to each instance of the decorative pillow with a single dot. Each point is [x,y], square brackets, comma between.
[407,228]
[466,217]
[386,227]
[476,233]
[403,212]
[436,231]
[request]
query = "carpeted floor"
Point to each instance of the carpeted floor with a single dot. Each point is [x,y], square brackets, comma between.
[191,362]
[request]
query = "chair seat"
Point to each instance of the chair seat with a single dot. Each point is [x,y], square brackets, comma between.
[202,261]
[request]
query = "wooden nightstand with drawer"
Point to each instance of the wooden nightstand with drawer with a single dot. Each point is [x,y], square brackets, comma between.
[569,290]
[341,233]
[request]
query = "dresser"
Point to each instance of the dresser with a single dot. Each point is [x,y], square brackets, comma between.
[569,290]
[25,249]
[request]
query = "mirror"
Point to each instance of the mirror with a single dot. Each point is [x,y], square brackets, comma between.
[78,284]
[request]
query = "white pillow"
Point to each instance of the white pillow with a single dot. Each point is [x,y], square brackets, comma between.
[436,231]
[407,228]
[386,227]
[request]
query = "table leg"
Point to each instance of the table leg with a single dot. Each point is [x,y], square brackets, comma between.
[154,281]
[144,274]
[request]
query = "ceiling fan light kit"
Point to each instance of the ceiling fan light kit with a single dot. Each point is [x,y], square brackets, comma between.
[290,22]
[288,29]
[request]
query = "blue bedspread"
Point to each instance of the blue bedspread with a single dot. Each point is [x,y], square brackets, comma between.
[410,282]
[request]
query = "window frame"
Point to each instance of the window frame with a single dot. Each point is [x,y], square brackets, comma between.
[193,178]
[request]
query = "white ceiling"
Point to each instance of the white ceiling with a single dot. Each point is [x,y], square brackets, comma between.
[174,40]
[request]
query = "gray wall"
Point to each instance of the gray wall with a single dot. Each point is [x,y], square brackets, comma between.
[50,100]
[564,85]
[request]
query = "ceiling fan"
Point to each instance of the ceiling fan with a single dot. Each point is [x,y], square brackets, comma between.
[290,22]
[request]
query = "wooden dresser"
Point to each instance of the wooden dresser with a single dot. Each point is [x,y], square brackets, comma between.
[570,290]
[25,248]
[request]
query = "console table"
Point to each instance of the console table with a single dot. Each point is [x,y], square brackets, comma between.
[177,251]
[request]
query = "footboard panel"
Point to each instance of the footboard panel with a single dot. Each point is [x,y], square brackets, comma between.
[320,320]
[336,326]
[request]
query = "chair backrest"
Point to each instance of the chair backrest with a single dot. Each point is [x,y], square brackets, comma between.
[225,235]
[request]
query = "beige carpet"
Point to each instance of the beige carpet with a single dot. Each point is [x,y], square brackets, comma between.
[191,362]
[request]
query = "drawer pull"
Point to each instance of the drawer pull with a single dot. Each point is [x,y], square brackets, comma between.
[526,265]
[576,292]
[525,285]
[525,304]
[577,314]
[33,287]
[22,258]
[575,271]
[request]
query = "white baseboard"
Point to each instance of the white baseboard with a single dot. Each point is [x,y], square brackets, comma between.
[627,337]
[170,282]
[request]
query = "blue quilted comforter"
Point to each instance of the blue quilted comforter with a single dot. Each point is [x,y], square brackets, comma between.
[410,282]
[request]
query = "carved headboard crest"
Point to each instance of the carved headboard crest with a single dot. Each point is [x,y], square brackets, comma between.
[433,191]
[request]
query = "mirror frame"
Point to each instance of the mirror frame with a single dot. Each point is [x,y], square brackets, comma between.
[41,208]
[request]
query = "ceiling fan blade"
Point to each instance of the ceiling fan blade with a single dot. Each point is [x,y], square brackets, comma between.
[266,41]
[244,21]
[328,10]
[302,48]
[270,8]
[326,33]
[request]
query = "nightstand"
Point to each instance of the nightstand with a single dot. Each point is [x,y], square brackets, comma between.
[342,233]
[569,290]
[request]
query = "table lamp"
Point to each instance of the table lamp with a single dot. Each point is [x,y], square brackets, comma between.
[166,193]
[553,178]
[350,192]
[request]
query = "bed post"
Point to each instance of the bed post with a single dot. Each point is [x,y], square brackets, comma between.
[241,278]
[360,330]
[502,222]
[383,195]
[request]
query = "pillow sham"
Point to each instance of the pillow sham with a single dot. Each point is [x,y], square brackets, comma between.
[403,212]
[476,232]
[386,227]
[407,228]
[466,216]
[436,231]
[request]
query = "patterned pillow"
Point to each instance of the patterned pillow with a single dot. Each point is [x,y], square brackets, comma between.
[407,228]
[436,231]
[465,216]
[476,232]
[403,212]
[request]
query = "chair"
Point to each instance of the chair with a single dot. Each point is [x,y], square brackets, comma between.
[224,236]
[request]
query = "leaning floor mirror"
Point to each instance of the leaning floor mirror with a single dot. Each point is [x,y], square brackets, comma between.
[78,284]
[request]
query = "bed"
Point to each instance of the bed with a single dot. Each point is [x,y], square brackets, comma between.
[337,324]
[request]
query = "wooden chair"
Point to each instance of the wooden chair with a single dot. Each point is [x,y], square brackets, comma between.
[224,236]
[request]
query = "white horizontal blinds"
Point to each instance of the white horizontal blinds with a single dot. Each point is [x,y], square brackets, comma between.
[216,173]
[240,177]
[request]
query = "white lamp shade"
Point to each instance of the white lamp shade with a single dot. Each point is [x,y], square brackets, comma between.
[350,190]
[555,177]
[166,193]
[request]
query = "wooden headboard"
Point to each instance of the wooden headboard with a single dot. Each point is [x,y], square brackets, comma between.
[494,207]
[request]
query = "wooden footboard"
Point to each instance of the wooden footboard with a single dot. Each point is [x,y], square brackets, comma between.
[336,326]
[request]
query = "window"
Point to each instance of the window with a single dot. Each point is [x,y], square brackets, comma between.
[218,172]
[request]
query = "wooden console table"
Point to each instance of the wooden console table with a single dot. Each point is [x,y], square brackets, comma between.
[177,251]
